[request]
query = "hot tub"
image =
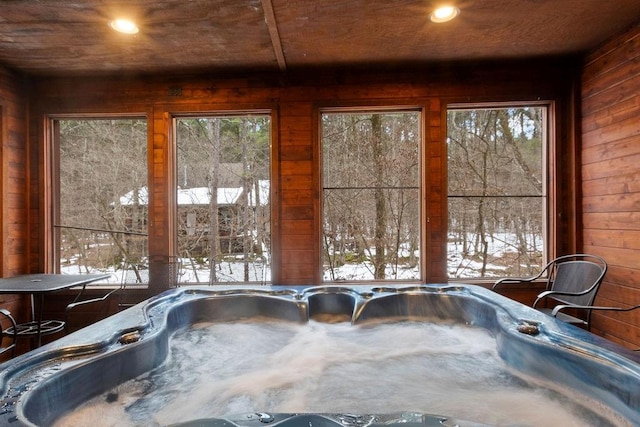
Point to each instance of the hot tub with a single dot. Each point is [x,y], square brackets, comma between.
[535,356]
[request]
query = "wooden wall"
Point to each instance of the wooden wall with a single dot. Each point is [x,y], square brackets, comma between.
[14,203]
[15,150]
[599,213]
[611,178]
[295,100]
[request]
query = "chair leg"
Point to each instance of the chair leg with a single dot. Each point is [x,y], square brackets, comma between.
[10,332]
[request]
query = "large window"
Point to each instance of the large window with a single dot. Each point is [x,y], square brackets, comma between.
[496,191]
[371,195]
[223,198]
[101,220]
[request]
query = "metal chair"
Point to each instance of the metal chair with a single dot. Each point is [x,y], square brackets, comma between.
[78,306]
[175,271]
[572,282]
[134,273]
[592,308]
[36,328]
[10,332]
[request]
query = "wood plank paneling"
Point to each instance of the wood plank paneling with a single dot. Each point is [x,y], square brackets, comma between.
[617,184]
[296,100]
[611,179]
[610,56]
[298,202]
[435,168]
[616,296]
[615,131]
[14,203]
[616,112]
[612,220]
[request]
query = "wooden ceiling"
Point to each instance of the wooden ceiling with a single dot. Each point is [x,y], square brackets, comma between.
[55,37]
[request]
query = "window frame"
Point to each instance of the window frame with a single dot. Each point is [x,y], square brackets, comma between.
[51,177]
[423,189]
[552,209]
[206,112]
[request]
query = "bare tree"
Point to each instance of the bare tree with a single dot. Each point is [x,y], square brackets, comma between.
[229,155]
[102,217]
[495,189]
[213,136]
[379,262]
[371,194]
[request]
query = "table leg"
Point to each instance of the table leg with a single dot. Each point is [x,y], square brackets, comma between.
[39,320]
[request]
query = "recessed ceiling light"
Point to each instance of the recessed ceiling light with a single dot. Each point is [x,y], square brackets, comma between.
[444,14]
[124,26]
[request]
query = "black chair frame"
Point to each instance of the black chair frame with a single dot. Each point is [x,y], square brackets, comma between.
[10,332]
[572,281]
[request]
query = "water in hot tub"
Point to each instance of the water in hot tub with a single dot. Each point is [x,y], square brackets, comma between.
[268,366]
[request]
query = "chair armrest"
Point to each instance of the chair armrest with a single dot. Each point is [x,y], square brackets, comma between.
[90,301]
[514,280]
[11,332]
[558,308]
[8,315]
[545,294]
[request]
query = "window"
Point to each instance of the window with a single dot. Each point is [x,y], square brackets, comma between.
[496,191]
[101,216]
[223,197]
[371,195]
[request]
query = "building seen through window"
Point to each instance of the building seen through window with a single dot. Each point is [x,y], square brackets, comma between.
[223,198]
[101,179]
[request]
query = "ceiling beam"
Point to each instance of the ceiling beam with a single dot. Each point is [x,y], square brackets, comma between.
[270,18]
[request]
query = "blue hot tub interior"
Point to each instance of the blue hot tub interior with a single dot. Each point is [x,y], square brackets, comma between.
[42,385]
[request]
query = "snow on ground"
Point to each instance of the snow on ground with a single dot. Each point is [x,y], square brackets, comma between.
[230,271]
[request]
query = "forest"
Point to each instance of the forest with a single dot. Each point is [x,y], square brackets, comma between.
[371,195]
[496,191]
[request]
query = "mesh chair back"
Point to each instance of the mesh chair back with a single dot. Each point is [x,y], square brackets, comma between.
[134,274]
[137,272]
[579,276]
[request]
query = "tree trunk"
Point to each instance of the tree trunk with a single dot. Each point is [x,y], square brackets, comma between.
[246,189]
[380,202]
[213,129]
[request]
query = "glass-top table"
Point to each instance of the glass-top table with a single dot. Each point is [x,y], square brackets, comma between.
[37,286]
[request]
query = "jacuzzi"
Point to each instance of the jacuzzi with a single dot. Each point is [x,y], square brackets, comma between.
[571,366]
